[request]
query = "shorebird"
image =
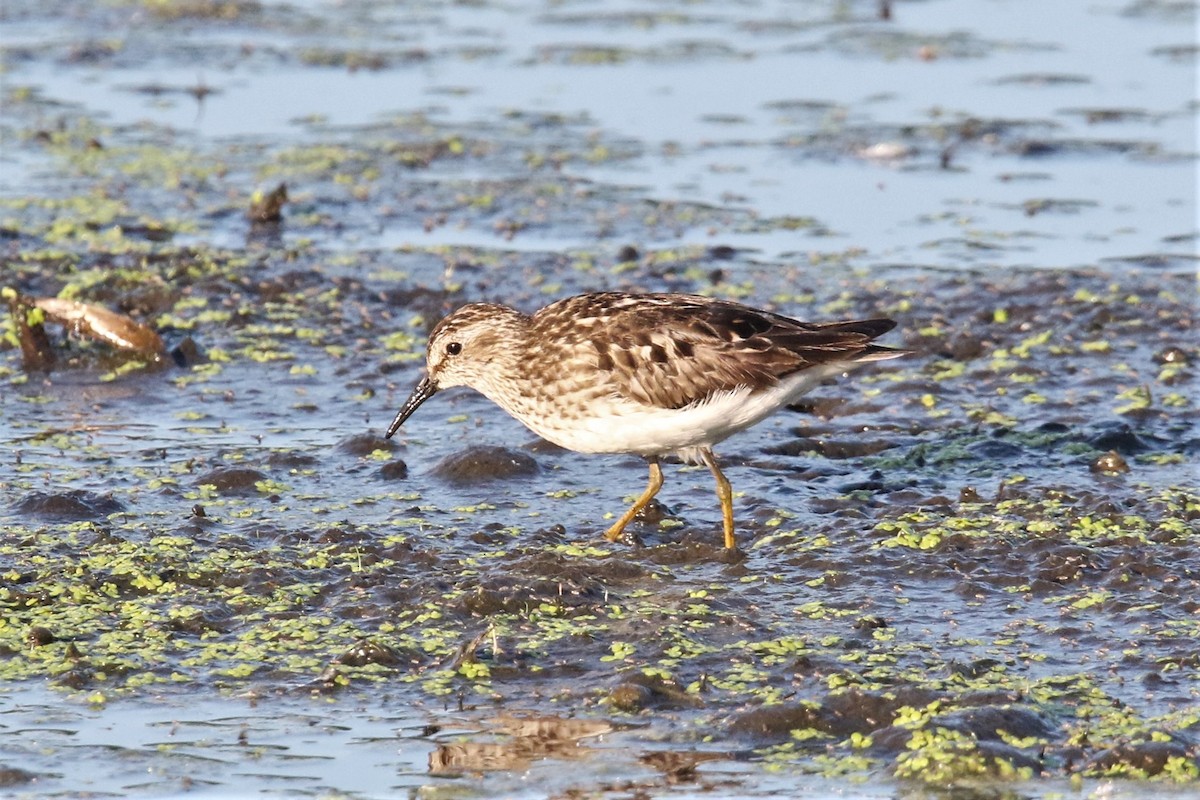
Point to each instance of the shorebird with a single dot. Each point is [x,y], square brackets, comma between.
[651,374]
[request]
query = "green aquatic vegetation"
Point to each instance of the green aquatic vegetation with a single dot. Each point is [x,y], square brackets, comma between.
[1023,348]
[160,167]
[1175,400]
[403,343]
[912,529]
[620,651]
[1171,372]
[942,756]
[1137,398]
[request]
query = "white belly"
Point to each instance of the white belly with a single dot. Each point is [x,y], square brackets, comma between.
[622,426]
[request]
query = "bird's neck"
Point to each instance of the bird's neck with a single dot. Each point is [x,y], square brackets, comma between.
[509,360]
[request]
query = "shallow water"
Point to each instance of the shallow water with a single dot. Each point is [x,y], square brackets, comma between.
[975,567]
[212,747]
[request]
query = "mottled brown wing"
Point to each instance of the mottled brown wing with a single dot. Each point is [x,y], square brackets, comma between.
[672,350]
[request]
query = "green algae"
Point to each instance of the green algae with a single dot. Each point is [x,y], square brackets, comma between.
[166,591]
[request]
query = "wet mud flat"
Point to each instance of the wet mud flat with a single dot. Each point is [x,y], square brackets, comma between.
[972,571]
[976,566]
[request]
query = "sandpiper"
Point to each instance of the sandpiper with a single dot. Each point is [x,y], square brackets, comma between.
[651,374]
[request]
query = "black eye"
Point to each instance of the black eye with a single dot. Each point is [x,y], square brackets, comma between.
[453,348]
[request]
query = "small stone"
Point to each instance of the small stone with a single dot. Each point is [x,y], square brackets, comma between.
[1110,463]
[1171,355]
[40,637]
[965,347]
[869,623]
[268,207]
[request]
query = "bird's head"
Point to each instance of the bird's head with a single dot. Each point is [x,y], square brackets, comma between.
[471,347]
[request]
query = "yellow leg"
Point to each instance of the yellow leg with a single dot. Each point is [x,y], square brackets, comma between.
[724,494]
[656,482]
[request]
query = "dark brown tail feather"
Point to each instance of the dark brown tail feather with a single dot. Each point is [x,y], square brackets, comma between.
[870,328]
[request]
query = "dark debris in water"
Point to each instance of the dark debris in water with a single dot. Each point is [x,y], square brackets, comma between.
[14,776]
[82,320]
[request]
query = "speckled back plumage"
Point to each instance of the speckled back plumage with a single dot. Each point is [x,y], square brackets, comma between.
[672,350]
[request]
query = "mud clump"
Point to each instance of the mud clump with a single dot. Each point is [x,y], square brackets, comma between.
[989,722]
[367,651]
[641,692]
[996,450]
[831,448]
[1120,438]
[13,776]
[186,353]
[77,505]
[393,471]
[839,715]
[1149,758]
[1172,355]
[698,547]
[514,594]
[481,464]
[630,697]
[979,739]
[291,460]
[232,480]
[595,574]
[268,208]
[363,444]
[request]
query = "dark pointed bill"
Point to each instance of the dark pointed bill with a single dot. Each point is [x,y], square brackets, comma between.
[425,390]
